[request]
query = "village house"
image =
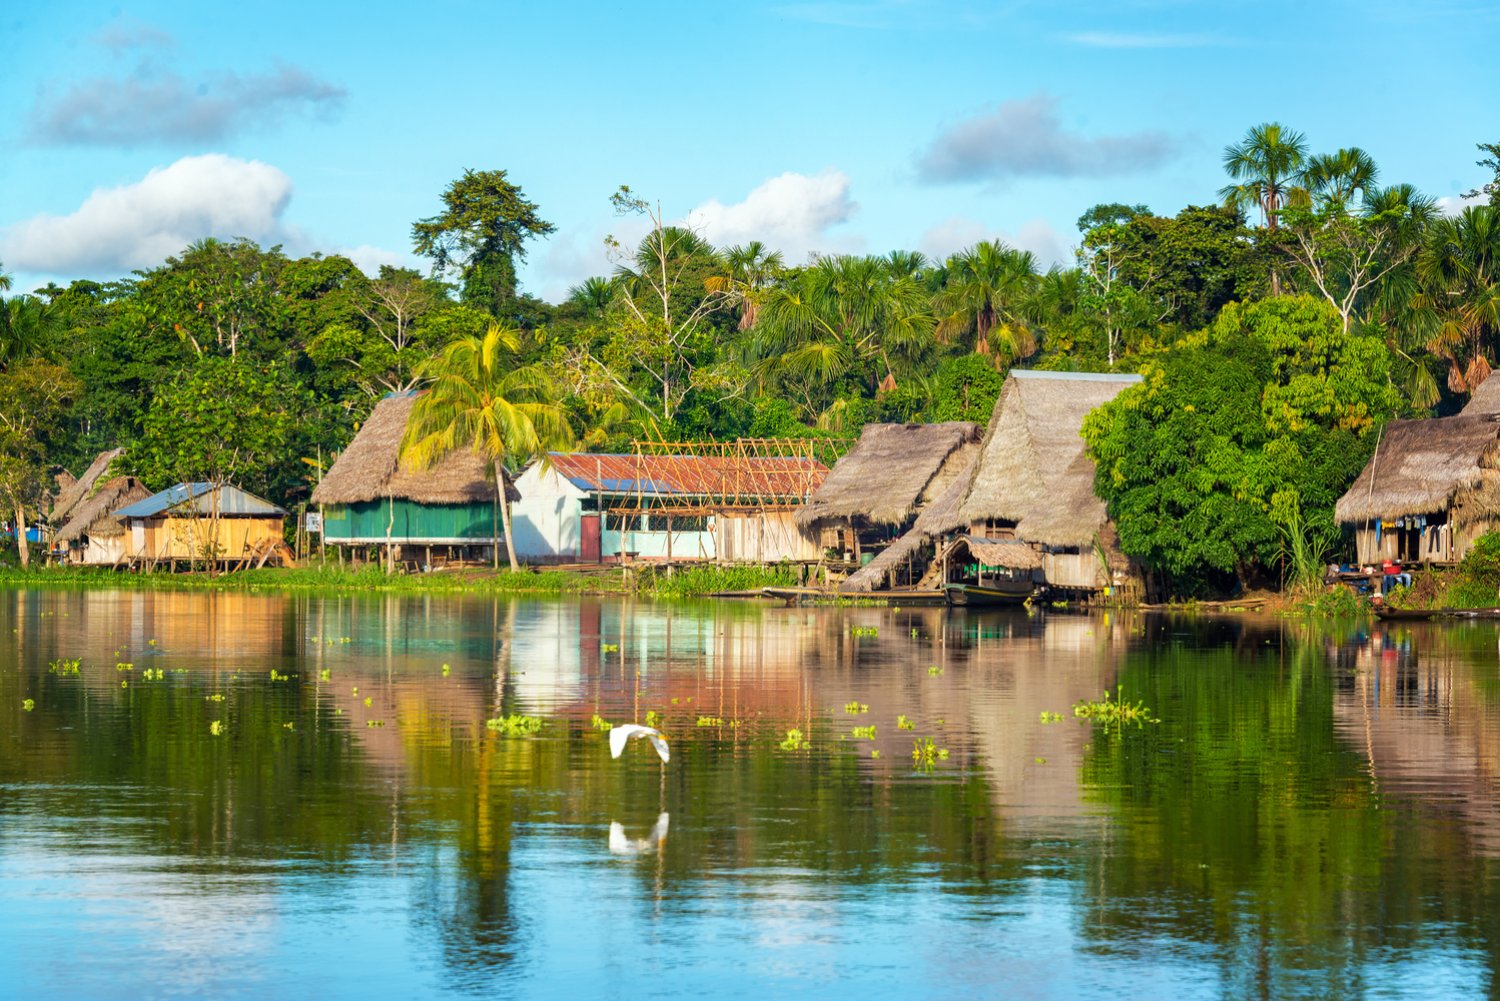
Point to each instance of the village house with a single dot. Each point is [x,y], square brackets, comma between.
[199,522]
[94,534]
[726,507]
[370,499]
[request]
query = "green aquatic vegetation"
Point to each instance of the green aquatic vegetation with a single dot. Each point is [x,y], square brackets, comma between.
[216,697]
[369,700]
[934,671]
[152,674]
[325,675]
[794,741]
[902,723]
[374,722]
[447,670]
[1050,717]
[125,666]
[864,630]
[875,753]
[28,704]
[64,666]
[601,724]
[865,732]
[1114,711]
[287,726]
[925,752]
[216,728]
[855,708]
[515,725]
[710,721]
[653,718]
[277,676]
[609,648]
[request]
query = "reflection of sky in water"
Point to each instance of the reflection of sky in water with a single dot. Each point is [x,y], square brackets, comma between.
[1354,775]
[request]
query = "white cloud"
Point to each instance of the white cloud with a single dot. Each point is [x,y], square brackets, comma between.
[1025,138]
[139,225]
[370,259]
[791,212]
[1455,204]
[957,232]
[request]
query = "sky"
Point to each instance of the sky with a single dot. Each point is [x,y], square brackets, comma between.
[834,126]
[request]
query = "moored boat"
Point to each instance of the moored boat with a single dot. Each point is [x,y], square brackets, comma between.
[976,594]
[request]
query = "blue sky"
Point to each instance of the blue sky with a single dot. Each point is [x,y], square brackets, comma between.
[858,126]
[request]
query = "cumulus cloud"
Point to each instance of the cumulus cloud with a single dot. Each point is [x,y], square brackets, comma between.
[139,225]
[791,212]
[957,232]
[1025,138]
[1455,204]
[370,259]
[153,104]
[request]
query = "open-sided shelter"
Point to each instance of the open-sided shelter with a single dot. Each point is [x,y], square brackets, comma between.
[1034,482]
[723,507]
[370,498]
[1429,490]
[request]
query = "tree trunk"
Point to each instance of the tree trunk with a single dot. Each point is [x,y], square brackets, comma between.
[21,548]
[510,544]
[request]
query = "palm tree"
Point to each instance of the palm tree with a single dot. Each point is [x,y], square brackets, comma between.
[593,296]
[1335,178]
[1268,164]
[1459,274]
[479,399]
[750,269]
[991,291]
[843,317]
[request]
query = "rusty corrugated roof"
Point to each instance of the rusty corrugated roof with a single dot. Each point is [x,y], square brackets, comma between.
[746,477]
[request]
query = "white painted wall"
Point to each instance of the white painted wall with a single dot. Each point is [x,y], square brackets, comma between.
[545,521]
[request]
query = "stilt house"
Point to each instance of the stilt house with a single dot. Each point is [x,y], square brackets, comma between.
[199,522]
[368,498]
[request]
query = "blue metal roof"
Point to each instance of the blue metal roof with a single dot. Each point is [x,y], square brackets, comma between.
[193,498]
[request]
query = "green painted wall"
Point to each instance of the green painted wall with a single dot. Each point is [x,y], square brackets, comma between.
[414,523]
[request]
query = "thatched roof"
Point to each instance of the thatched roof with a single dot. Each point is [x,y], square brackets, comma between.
[1010,553]
[884,477]
[1485,399]
[369,469]
[69,496]
[96,515]
[1032,468]
[1419,467]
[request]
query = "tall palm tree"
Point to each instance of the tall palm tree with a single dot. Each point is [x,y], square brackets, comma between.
[593,295]
[479,399]
[1268,165]
[1336,178]
[843,317]
[1459,273]
[749,269]
[992,293]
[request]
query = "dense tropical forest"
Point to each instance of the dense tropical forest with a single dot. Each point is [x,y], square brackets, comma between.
[1278,327]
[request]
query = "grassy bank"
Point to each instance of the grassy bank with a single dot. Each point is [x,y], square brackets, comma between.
[683,582]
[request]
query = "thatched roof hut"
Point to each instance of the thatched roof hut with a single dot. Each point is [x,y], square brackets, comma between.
[95,517]
[889,473]
[370,468]
[77,490]
[1008,553]
[1485,399]
[1428,466]
[1032,468]
[937,517]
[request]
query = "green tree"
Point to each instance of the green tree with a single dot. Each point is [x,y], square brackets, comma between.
[990,293]
[479,399]
[1268,165]
[219,297]
[1492,163]
[1456,306]
[481,236]
[34,397]
[1337,179]
[1257,423]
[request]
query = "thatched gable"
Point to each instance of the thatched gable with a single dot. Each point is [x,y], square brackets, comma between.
[885,476]
[79,489]
[96,515]
[1421,467]
[370,468]
[1485,399]
[1032,468]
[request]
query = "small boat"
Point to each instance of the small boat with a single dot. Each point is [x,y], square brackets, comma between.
[1008,593]
[1416,614]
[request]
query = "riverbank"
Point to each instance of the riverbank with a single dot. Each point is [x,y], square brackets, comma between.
[681,582]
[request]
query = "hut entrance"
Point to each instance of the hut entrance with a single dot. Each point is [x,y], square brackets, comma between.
[588,538]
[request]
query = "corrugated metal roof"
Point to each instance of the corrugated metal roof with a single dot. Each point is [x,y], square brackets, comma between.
[692,475]
[194,498]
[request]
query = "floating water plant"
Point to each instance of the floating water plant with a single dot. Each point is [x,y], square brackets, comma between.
[1114,711]
[710,721]
[286,726]
[325,675]
[865,732]
[934,671]
[369,700]
[152,674]
[1049,717]
[374,722]
[515,725]
[125,667]
[653,718]
[216,727]
[28,704]
[446,670]
[277,676]
[875,753]
[63,667]
[864,630]
[854,708]
[794,741]
[902,723]
[216,697]
[609,648]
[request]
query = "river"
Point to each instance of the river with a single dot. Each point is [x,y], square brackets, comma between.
[271,795]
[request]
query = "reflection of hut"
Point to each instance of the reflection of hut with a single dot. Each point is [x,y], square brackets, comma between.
[73,491]
[369,498]
[1034,482]
[1430,489]
[95,535]
[198,521]
[876,491]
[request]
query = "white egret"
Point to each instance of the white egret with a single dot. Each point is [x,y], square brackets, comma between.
[619,844]
[625,731]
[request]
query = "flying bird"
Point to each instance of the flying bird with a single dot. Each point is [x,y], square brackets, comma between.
[625,731]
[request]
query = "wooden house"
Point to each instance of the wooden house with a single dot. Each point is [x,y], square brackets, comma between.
[1034,482]
[1429,490]
[369,498]
[200,522]
[724,507]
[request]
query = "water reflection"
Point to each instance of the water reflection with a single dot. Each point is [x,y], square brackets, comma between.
[1314,816]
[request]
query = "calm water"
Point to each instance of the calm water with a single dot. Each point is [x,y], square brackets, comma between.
[1316,815]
